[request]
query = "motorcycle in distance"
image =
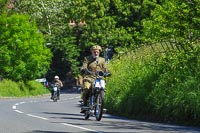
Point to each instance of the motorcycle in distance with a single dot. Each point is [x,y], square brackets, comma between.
[55,92]
[95,102]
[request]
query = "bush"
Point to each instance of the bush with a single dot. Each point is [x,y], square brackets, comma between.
[130,84]
[160,87]
[10,88]
[175,96]
[36,88]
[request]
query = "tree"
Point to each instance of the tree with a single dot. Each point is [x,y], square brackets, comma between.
[102,26]
[2,5]
[114,23]
[51,22]
[24,55]
[175,21]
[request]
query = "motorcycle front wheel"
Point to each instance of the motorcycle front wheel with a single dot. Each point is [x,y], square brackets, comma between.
[55,98]
[99,105]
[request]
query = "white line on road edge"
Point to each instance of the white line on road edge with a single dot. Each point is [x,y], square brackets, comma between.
[14,107]
[70,98]
[87,129]
[19,111]
[37,116]
[22,102]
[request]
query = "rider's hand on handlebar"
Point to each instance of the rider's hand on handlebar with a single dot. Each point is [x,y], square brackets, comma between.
[83,71]
[107,74]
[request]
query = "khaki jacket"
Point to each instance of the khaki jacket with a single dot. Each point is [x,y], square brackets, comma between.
[59,83]
[93,65]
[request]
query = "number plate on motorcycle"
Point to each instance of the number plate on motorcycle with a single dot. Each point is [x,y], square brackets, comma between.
[103,83]
[55,88]
[97,83]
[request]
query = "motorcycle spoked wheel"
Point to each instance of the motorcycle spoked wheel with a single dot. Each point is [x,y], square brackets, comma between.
[99,105]
[55,98]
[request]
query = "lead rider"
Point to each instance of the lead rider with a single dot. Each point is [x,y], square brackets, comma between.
[92,63]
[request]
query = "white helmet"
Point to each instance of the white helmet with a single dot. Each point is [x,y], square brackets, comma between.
[56,77]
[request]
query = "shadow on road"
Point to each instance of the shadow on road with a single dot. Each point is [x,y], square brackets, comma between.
[71,91]
[115,123]
[68,116]
[40,131]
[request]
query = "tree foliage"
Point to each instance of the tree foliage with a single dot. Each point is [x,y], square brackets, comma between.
[23,54]
[117,23]
[108,22]
[175,21]
[168,83]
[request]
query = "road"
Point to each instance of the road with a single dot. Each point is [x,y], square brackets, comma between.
[41,115]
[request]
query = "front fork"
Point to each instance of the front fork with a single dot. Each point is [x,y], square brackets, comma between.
[93,99]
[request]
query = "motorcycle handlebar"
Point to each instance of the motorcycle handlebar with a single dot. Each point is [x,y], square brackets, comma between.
[97,73]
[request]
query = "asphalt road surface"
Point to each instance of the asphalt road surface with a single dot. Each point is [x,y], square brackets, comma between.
[42,115]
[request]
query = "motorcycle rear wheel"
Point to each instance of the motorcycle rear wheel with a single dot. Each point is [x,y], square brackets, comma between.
[99,105]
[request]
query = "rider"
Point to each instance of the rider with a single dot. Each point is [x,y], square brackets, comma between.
[92,63]
[59,84]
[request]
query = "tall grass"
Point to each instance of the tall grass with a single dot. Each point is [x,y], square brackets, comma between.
[156,86]
[130,84]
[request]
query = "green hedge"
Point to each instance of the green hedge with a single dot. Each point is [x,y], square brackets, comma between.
[10,88]
[156,86]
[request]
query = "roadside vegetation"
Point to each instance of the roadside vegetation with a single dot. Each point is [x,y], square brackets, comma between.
[156,86]
[9,88]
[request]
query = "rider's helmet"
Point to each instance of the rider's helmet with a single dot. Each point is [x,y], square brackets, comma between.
[95,47]
[56,77]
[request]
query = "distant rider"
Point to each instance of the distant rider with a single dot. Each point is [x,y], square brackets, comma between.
[59,84]
[92,63]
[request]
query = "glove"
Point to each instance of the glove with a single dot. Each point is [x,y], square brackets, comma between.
[107,74]
[82,71]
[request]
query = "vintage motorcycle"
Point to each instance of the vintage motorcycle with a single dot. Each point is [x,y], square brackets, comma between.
[55,92]
[95,102]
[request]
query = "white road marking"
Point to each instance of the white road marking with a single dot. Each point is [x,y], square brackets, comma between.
[22,102]
[69,98]
[33,101]
[14,107]
[70,125]
[19,111]
[37,116]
